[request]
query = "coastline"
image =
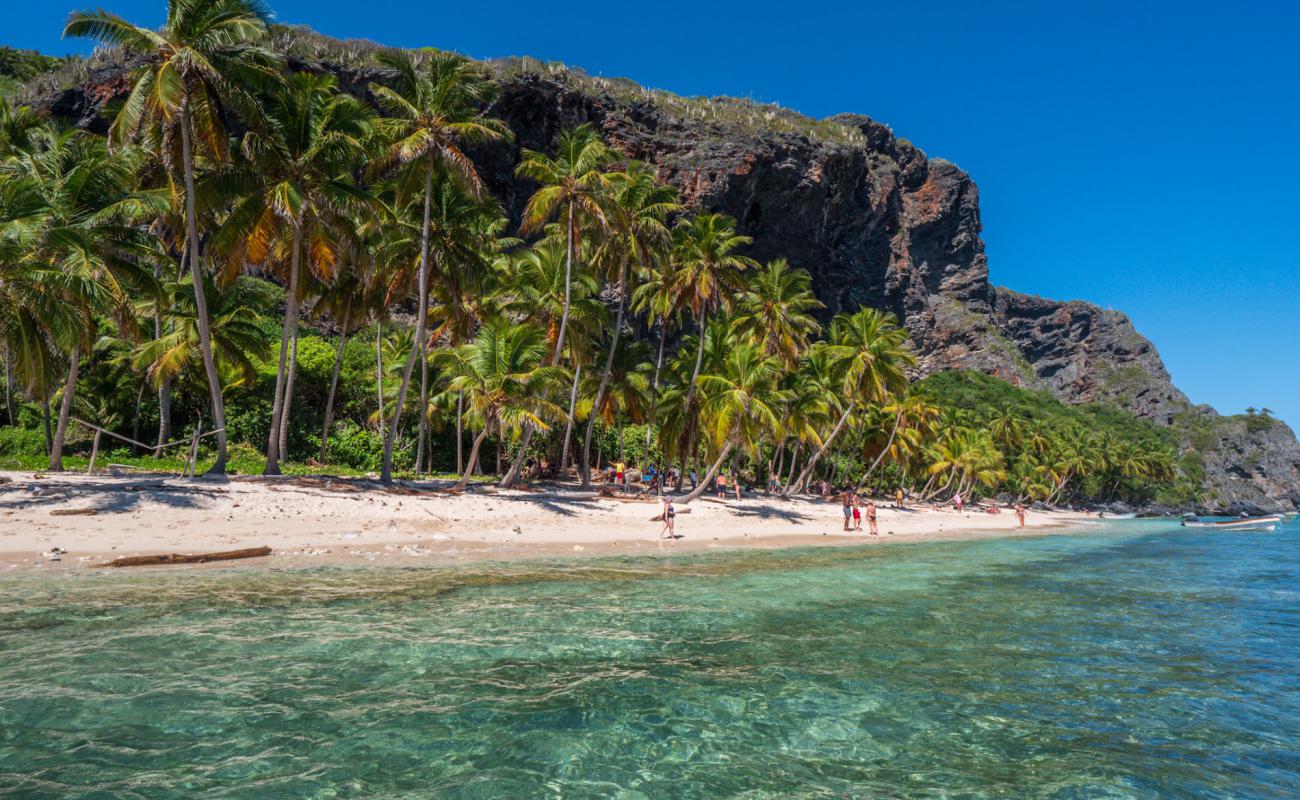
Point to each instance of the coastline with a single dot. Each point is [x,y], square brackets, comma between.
[323,521]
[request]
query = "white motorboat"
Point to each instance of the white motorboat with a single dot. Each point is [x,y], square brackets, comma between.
[1265,524]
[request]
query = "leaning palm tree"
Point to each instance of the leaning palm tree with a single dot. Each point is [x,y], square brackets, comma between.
[203,59]
[296,178]
[870,352]
[574,189]
[504,381]
[435,106]
[742,406]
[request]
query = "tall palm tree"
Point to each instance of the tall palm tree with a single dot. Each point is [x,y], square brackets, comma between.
[639,206]
[203,59]
[434,106]
[504,380]
[574,190]
[296,178]
[869,349]
[706,272]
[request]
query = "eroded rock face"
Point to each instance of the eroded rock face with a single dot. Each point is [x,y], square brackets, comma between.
[876,222]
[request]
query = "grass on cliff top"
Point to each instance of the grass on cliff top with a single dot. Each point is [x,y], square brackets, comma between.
[724,114]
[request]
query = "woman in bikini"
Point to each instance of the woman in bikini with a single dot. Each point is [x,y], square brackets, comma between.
[670,519]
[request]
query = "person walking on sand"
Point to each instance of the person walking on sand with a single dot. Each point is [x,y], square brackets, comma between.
[871,518]
[1020,514]
[670,523]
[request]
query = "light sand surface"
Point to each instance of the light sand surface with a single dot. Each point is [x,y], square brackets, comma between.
[345,521]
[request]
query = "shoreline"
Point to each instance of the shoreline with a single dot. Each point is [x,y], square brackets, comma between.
[324,521]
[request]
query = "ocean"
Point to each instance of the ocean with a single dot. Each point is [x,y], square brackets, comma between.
[1132,660]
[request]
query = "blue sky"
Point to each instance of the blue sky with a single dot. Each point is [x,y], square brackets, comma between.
[1141,156]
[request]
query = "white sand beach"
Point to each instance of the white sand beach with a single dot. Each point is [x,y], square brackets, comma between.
[322,520]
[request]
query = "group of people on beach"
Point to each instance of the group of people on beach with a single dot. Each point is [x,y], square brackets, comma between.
[855,509]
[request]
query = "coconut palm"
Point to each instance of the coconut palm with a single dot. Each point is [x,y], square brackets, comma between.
[296,177]
[434,105]
[741,406]
[573,191]
[203,59]
[639,208]
[869,350]
[775,310]
[504,380]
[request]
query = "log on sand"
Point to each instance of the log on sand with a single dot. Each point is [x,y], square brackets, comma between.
[196,558]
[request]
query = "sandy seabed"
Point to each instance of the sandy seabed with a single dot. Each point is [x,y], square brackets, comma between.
[347,521]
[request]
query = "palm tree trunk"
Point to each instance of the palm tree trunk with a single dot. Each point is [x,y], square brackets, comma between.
[49,426]
[794,460]
[420,450]
[334,382]
[460,431]
[423,308]
[568,424]
[898,420]
[9,388]
[812,463]
[273,439]
[654,384]
[713,471]
[511,476]
[379,372]
[288,392]
[604,379]
[135,420]
[65,409]
[200,298]
[473,459]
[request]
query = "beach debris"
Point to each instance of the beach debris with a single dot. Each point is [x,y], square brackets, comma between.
[196,558]
[74,512]
[55,554]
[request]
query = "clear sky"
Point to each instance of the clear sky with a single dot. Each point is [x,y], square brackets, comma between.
[1139,155]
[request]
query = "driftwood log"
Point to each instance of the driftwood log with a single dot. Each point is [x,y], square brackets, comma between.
[196,558]
[74,512]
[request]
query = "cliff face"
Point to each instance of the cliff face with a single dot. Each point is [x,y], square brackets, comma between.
[876,222]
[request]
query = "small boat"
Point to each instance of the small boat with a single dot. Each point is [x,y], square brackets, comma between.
[1266,524]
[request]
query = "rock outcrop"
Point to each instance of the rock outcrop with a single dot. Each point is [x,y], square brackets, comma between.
[875,221]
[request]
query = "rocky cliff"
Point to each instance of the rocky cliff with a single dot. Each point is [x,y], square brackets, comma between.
[874,220]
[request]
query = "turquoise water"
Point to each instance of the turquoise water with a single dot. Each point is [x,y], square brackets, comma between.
[1140,661]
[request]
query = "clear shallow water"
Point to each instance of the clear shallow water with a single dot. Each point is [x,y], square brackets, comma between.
[1142,661]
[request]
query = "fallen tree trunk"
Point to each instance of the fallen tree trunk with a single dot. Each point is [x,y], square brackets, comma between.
[196,558]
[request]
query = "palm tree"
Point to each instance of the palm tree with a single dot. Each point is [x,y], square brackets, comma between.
[868,348]
[573,190]
[504,381]
[88,237]
[774,310]
[640,207]
[434,106]
[296,178]
[203,59]
[706,272]
[741,406]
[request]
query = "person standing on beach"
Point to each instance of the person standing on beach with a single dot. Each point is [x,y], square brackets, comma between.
[898,497]
[871,518]
[721,483]
[670,523]
[956,501]
[846,500]
[857,515]
[1020,514]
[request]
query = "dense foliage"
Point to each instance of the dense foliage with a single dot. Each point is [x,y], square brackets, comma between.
[323,280]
